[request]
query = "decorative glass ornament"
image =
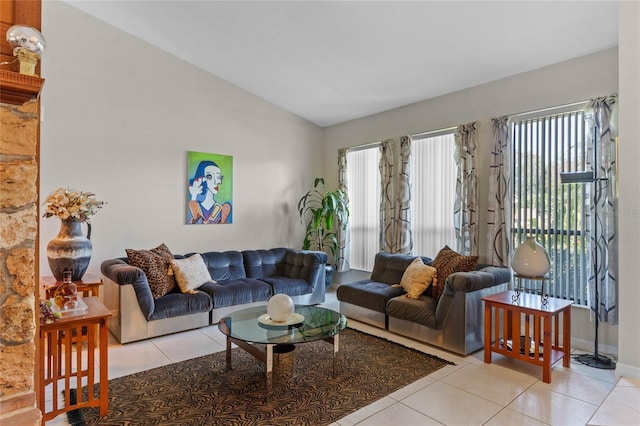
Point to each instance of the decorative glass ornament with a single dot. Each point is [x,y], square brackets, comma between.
[280,307]
[531,260]
[66,295]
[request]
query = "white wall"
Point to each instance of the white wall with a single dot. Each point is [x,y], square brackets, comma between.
[119,118]
[576,80]
[629,189]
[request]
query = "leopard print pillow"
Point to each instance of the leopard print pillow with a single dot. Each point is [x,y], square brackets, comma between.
[448,262]
[156,264]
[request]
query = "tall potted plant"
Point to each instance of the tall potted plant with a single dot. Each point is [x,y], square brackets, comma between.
[324,212]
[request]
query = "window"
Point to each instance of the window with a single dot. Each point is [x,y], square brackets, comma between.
[363,189]
[557,215]
[433,192]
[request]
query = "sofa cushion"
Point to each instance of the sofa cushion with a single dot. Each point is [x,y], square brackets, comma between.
[224,266]
[177,304]
[447,262]
[290,286]
[264,263]
[236,292]
[190,273]
[420,310]
[156,264]
[417,278]
[388,268]
[368,294]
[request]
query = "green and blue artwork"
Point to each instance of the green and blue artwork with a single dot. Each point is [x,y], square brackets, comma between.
[210,179]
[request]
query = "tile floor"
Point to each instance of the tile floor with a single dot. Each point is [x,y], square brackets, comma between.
[507,392]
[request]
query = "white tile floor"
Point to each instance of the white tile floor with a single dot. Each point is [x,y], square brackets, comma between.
[507,392]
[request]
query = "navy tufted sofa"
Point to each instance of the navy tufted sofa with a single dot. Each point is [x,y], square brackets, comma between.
[453,322]
[242,279]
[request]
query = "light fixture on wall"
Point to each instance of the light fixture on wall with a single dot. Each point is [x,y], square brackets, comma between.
[28,46]
[591,177]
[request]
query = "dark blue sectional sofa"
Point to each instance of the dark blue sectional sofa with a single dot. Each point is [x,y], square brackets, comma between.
[242,279]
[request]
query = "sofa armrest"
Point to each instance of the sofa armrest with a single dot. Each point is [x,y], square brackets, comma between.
[463,289]
[477,280]
[122,273]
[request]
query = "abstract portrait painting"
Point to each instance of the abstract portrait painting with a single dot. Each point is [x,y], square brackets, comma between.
[210,188]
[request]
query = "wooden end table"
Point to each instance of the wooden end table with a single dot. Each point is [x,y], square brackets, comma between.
[89,285]
[61,369]
[525,328]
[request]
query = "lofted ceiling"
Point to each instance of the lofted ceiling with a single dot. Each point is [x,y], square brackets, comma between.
[334,61]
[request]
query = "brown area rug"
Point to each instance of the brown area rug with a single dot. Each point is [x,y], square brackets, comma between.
[199,391]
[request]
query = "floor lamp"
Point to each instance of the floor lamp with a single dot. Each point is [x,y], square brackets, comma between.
[595,359]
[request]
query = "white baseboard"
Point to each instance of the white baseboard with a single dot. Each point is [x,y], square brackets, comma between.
[630,371]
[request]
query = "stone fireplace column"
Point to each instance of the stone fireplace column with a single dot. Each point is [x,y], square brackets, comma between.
[18,242]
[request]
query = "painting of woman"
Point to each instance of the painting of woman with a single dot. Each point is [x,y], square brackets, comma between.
[204,186]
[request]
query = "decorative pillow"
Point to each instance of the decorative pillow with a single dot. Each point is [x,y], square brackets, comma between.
[156,264]
[447,262]
[191,273]
[417,278]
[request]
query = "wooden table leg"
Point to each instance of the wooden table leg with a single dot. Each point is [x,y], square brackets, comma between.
[566,336]
[269,365]
[104,370]
[487,332]
[547,343]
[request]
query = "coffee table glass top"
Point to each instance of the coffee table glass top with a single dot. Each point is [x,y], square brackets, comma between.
[319,323]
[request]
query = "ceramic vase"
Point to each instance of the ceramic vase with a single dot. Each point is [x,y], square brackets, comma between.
[70,250]
[531,260]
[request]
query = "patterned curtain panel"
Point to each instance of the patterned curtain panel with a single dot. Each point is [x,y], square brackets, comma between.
[342,263]
[600,117]
[465,213]
[499,217]
[403,239]
[386,196]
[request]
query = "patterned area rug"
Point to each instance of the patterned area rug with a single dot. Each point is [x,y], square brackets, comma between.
[200,391]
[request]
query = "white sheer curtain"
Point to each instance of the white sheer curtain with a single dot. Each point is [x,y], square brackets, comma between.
[466,205]
[363,190]
[433,193]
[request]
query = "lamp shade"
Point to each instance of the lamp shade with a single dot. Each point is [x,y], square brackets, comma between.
[531,259]
[26,37]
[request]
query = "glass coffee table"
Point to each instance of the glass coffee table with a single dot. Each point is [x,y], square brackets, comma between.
[251,326]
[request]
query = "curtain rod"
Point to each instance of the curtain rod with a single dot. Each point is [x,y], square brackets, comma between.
[538,111]
[364,146]
[431,133]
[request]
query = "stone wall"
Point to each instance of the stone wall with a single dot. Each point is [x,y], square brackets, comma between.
[18,236]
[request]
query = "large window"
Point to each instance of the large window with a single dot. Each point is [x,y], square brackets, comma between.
[433,192]
[363,189]
[554,213]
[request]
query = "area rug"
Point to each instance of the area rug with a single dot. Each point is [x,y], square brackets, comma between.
[199,391]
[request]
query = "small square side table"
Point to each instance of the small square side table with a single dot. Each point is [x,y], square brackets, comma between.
[525,328]
[89,285]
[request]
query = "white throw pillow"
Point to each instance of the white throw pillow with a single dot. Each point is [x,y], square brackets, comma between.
[417,278]
[190,273]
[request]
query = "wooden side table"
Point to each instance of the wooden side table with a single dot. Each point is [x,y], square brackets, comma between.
[89,285]
[527,329]
[61,368]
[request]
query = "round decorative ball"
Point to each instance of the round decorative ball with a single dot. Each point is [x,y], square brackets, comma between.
[280,307]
